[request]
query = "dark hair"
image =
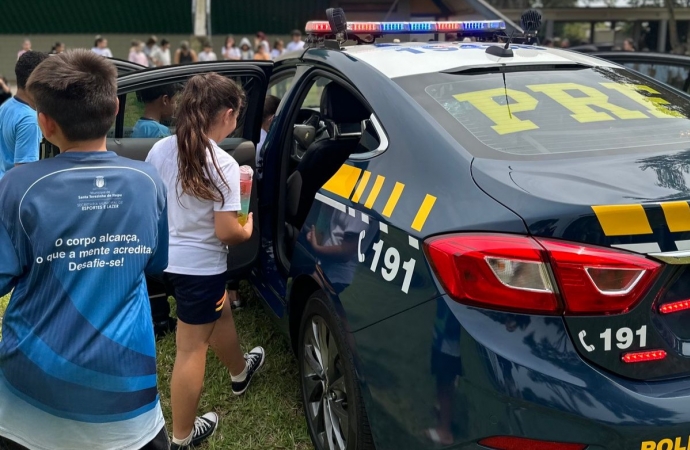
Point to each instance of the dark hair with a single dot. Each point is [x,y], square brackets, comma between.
[26,65]
[152,41]
[296,33]
[202,99]
[164,42]
[154,93]
[270,106]
[98,40]
[261,35]
[78,90]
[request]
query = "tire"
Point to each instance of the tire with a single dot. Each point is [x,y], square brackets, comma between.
[332,399]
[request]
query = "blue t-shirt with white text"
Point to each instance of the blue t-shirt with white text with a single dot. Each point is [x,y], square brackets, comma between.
[77,355]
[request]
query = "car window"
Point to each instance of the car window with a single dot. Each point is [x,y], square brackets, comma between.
[539,112]
[150,112]
[371,132]
[280,87]
[675,76]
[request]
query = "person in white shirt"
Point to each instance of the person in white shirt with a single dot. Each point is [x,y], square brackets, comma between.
[203,191]
[207,54]
[297,43]
[230,51]
[161,56]
[150,48]
[100,47]
[278,48]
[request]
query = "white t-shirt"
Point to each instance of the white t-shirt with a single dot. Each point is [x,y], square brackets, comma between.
[162,56]
[103,52]
[232,53]
[210,56]
[294,46]
[194,248]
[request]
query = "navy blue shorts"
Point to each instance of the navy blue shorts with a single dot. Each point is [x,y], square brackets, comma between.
[200,298]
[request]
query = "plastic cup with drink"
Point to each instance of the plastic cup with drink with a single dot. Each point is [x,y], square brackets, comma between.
[246,176]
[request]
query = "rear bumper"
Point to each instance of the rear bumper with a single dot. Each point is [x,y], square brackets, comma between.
[505,374]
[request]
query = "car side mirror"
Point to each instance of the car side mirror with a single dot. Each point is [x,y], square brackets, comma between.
[304,135]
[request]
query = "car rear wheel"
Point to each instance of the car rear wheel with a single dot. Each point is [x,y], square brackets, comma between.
[332,400]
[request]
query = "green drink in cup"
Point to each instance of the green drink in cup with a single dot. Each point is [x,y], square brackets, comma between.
[246,176]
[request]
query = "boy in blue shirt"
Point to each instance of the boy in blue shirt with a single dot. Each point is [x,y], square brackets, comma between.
[159,105]
[77,234]
[20,137]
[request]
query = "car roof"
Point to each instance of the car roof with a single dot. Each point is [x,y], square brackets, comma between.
[415,58]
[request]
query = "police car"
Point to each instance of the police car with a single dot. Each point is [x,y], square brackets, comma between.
[475,243]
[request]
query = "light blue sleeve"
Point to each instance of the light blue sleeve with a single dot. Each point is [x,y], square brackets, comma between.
[27,141]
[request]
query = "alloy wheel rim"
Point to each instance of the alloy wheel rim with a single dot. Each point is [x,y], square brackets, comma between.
[324,387]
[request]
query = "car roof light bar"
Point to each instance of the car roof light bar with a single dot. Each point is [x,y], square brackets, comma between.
[318,27]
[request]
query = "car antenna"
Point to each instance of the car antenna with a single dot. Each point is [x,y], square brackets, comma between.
[531,21]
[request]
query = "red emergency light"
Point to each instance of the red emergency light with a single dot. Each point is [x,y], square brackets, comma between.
[638,357]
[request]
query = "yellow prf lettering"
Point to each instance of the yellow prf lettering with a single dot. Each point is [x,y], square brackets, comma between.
[655,105]
[502,115]
[648,445]
[582,106]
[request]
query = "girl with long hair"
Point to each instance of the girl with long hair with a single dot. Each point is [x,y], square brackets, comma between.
[203,184]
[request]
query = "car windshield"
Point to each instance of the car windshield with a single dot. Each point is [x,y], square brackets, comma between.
[545,111]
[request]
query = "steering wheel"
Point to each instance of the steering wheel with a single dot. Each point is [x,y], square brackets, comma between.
[308,117]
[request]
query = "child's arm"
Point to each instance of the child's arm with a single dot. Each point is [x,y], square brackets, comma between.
[228,228]
[338,253]
[10,268]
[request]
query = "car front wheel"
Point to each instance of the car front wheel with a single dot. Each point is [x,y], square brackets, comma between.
[332,400]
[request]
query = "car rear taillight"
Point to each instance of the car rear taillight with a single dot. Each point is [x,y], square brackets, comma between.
[516,443]
[498,271]
[599,280]
[516,273]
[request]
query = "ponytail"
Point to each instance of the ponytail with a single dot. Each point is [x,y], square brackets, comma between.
[203,98]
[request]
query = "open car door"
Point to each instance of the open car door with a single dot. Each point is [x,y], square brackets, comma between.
[124,67]
[252,76]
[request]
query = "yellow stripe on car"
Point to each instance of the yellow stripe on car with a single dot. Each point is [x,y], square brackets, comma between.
[423,213]
[393,199]
[361,186]
[622,220]
[344,181]
[677,216]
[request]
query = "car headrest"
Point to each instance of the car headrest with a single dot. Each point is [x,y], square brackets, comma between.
[341,106]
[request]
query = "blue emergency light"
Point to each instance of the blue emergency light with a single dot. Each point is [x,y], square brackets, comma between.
[322,27]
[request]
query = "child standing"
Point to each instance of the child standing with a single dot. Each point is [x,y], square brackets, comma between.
[77,234]
[203,197]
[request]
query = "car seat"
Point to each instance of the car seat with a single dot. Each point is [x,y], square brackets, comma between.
[340,110]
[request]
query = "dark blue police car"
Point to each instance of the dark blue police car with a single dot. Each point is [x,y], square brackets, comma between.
[469,246]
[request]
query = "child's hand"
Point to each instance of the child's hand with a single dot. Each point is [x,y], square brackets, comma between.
[249,226]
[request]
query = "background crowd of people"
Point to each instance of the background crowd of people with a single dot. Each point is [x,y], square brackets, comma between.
[155,52]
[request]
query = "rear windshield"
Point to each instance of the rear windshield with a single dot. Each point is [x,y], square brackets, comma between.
[544,112]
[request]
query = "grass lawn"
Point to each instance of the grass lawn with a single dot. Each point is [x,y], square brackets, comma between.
[270,414]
